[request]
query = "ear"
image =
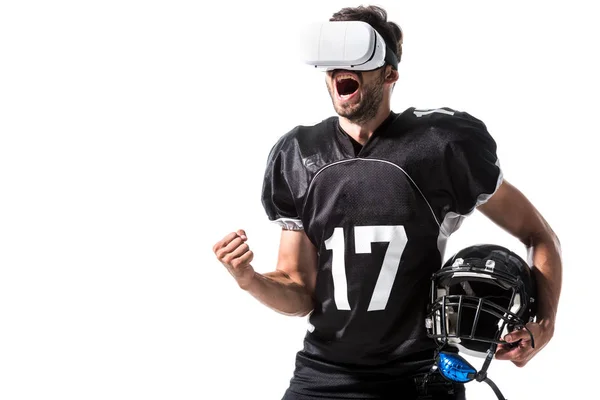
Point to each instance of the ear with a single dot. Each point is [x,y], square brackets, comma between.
[391,74]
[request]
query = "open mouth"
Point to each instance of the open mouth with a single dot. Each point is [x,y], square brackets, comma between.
[346,86]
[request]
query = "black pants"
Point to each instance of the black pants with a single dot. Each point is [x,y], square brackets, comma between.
[436,388]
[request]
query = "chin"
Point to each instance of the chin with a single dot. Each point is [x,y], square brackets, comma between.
[347,112]
[347,108]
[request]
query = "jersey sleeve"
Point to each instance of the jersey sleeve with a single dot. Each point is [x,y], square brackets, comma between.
[277,197]
[473,168]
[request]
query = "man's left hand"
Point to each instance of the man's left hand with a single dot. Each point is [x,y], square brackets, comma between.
[520,352]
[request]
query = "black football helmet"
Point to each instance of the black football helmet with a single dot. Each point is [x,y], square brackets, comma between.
[480,294]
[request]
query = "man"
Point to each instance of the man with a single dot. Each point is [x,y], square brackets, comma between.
[366,201]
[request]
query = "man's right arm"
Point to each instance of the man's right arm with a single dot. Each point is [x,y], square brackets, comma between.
[289,289]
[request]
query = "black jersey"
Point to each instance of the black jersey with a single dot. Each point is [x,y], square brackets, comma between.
[379,218]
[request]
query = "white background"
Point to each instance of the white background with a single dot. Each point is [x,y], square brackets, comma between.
[134,135]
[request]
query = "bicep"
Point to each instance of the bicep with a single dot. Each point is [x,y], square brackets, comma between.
[512,211]
[298,258]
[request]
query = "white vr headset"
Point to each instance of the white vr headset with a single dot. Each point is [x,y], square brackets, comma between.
[350,45]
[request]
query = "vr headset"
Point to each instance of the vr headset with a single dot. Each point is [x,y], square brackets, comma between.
[349,45]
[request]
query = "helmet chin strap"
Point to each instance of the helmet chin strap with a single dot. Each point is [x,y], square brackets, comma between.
[482,374]
[494,388]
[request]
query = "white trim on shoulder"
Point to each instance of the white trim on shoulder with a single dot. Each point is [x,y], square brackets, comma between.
[420,113]
[483,198]
[452,221]
[290,224]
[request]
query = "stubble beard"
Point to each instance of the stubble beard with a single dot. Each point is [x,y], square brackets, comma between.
[366,109]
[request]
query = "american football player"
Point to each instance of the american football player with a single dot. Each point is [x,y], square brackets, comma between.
[366,201]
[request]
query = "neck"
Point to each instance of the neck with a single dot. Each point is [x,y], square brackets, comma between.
[361,132]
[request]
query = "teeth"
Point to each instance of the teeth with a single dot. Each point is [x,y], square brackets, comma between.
[342,77]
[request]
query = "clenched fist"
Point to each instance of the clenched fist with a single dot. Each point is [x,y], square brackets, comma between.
[235,254]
